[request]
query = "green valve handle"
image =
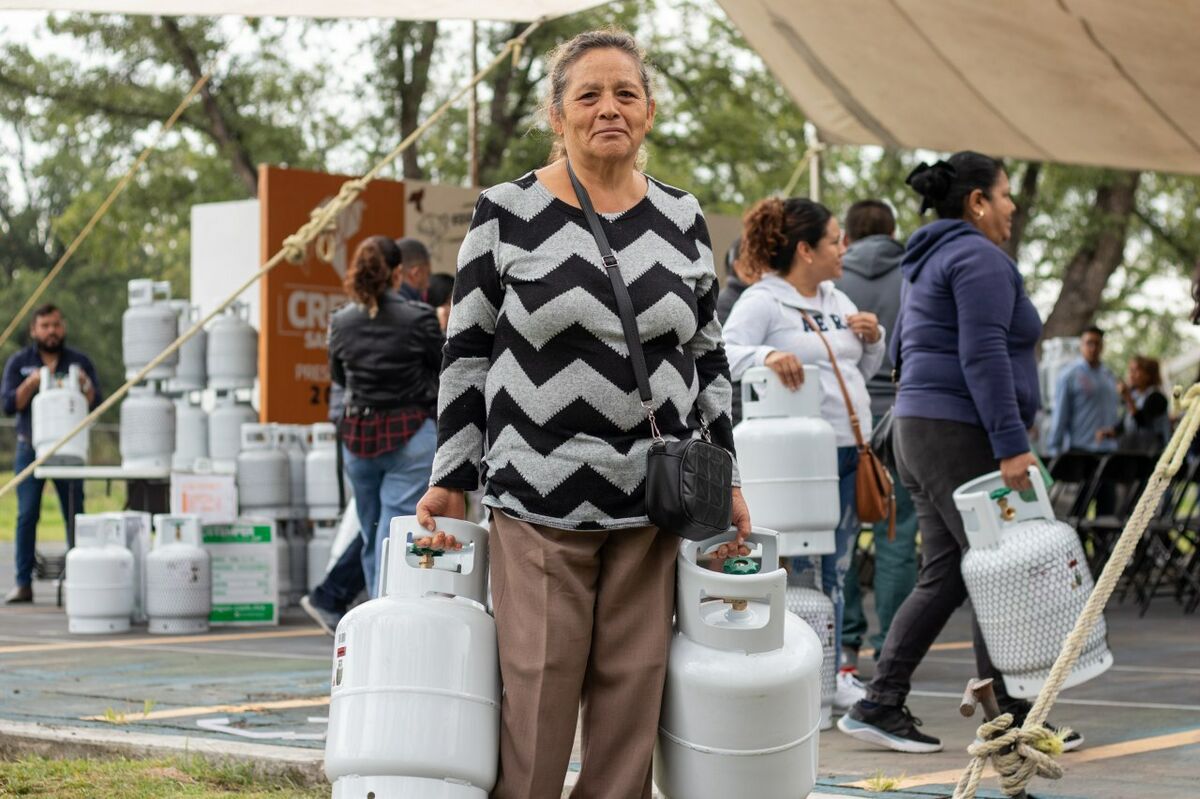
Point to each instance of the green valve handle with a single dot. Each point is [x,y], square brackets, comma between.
[741,566]
[423,551]
[999,493]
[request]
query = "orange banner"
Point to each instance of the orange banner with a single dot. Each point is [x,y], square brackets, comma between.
[298,299]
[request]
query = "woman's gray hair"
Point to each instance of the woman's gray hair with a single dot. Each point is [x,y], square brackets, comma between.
[565,55]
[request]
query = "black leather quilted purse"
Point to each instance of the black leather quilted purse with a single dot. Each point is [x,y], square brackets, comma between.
[689,483]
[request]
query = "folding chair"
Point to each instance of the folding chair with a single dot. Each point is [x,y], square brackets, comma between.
[1158,553]
[1075,483]
[1127,473]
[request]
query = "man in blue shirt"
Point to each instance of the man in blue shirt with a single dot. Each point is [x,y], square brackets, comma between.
[1085,401]
[21,381]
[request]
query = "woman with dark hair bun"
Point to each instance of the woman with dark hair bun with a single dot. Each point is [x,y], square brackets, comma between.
[964,348]
[386,352]
[787,319]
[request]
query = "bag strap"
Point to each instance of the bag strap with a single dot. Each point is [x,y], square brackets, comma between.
[858,436]
[624,303]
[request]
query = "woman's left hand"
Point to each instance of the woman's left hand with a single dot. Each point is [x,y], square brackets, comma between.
[737,547]
[865,325]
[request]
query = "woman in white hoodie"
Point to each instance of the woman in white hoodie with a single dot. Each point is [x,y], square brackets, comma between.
[796,246]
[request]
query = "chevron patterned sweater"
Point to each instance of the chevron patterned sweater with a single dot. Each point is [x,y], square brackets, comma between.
[538,398]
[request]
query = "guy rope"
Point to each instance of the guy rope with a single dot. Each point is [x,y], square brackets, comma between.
[321,220]
[122,184]
[1019,754]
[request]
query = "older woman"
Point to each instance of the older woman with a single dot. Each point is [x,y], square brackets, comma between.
[794,316]
[968,392]
[538,399]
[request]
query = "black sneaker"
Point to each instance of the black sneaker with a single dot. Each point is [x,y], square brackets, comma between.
[1020,709]
[888,726]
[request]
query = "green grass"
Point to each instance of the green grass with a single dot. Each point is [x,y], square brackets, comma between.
[39,778]
[50,526]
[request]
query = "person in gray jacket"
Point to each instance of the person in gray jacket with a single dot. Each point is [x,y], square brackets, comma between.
[871,277]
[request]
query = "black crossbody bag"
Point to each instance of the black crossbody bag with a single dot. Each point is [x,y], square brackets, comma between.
[689,483]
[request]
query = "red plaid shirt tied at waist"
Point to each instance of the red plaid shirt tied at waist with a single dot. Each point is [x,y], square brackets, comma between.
[370,432]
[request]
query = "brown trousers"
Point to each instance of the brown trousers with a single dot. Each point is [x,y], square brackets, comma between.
[581,617]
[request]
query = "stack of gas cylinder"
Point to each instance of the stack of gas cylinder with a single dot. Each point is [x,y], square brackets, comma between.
[1028,580]
[163,421]
[115,576]
[787,456]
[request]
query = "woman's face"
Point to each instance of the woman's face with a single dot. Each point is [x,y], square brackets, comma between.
[605,113]
[993,212]
[823,262]
[1136,377]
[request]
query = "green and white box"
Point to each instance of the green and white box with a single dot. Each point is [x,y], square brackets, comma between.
[245,576]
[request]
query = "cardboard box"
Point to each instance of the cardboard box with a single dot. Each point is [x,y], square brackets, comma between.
[212,497]
[244,572]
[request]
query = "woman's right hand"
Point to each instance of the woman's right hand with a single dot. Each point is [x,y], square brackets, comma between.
[438,501]
[788,367]
[1015,471]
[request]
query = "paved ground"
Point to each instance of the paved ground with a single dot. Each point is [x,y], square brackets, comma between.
[1141,720]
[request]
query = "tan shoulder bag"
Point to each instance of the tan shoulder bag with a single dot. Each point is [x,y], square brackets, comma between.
[873,490]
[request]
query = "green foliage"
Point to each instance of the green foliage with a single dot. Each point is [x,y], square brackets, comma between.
[77,113]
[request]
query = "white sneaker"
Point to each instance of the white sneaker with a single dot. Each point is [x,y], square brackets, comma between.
[849,691]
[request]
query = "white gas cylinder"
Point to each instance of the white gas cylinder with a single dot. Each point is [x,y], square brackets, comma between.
[286,438]
[191,435]
[100,583]
[297,562]
[263,478]
[415,708]
[320,552]
[147,429]
[320,473]
[191,373]
[1028,580]
[810,604]
[787,456]
[57,408]
[138,530]
[178,577]
[148,327]
[741,705]
[225,431]
[232,357]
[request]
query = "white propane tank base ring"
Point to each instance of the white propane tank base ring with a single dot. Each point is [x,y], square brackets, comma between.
[356,787]
[98,625]
[1028,686]
[177,626]
[794,544]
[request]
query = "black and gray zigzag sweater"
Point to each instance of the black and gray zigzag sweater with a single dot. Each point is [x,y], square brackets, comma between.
[537,393]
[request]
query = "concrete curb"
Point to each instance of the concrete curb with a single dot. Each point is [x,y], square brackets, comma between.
[19,738]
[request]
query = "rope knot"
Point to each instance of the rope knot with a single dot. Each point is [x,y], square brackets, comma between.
[1017,754]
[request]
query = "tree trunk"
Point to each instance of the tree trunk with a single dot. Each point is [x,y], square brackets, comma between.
[218,124]
[413,44]
[1026,200]
[1098,257]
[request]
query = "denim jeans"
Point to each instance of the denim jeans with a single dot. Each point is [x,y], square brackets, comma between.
[29,510]
[835,566]
[386,486]
[895,574]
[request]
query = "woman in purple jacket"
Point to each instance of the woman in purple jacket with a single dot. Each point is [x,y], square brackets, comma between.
[968,393]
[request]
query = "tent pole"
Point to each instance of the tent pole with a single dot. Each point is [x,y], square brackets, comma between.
[473,110]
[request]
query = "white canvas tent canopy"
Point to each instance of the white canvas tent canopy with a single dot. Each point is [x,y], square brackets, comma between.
[1100,82]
